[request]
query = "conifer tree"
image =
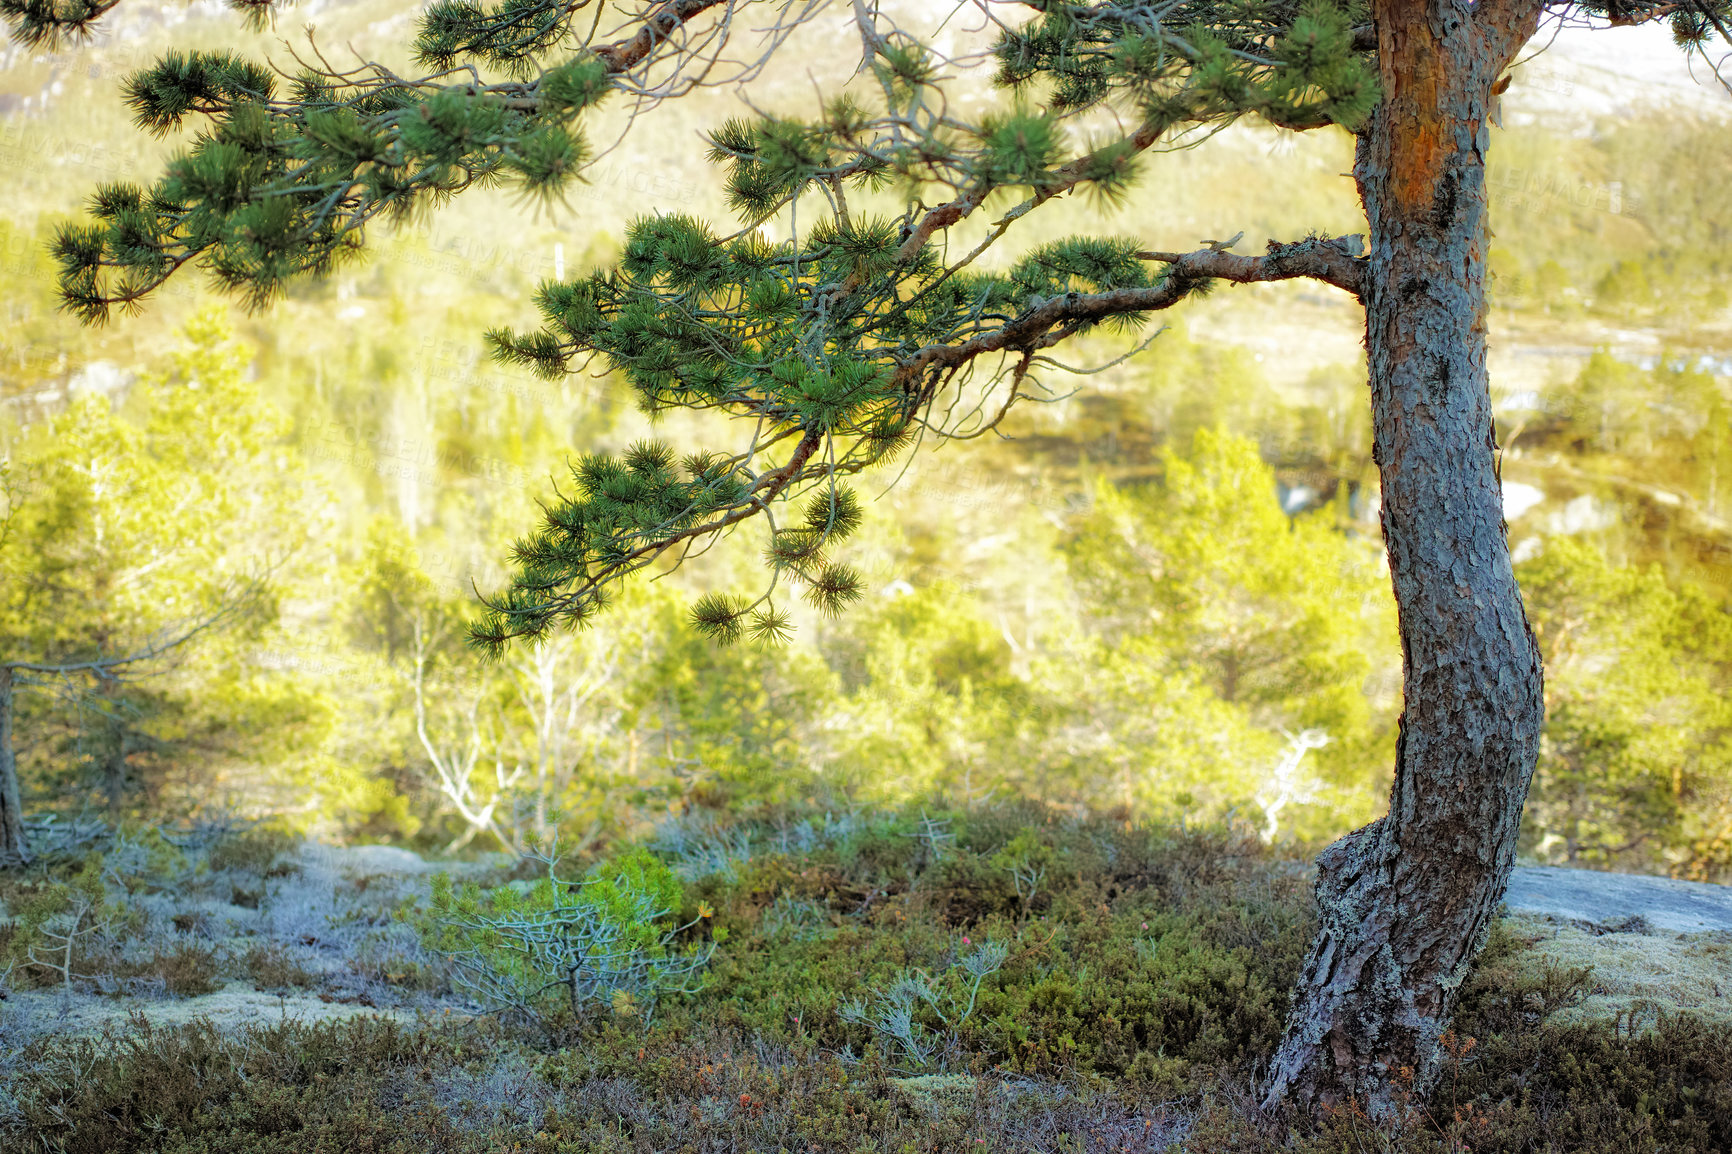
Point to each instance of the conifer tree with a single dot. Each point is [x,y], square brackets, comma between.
[135,557]
[862,336]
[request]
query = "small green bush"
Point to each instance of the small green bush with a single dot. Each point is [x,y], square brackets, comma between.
[1026,858]
[62,924]
[605,940]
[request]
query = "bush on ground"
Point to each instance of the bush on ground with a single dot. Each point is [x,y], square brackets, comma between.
[607,939]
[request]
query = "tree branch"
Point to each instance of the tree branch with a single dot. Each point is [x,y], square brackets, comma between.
[1338,261]
[104,666]
[624,55]
[1060,180]
[1334,261]
[754,501]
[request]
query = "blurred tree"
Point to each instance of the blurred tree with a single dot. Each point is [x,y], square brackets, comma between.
[1669,425]
[1203,577]
[578,734]
[1552,287]
[95,594]
[456,707]
[930,699]
[1611,402]
[1273,609]
[1639,720]
[1624,289]
[722,726]
[89,687]
[842,346]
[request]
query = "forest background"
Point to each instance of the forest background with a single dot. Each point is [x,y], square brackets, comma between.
[1164,596]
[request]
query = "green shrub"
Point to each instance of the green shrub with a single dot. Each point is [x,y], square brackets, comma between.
[61,925]
[1026,858]
[605,940]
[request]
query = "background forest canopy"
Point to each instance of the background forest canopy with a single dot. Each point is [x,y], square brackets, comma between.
[1164,595]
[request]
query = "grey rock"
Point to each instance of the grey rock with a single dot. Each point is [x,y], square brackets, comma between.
[1620,903]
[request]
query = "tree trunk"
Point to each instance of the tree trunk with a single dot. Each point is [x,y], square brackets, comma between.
[112,747]
[1406,902]
[14,849]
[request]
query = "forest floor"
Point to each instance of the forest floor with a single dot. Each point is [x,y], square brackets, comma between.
[1651,942]
[310,938]
[271,998]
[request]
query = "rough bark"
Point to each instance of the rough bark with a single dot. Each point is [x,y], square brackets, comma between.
[1406,902]
[14,848]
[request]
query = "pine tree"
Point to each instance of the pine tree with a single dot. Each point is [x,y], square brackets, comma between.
[130,550]
[863,336]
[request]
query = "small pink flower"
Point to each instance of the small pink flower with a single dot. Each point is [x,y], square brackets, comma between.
[1145,925]
[966,942]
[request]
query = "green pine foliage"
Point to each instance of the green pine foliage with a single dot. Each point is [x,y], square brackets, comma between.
[48,24]
[280,186]
[1293,64]
[602,940]
[837,348]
